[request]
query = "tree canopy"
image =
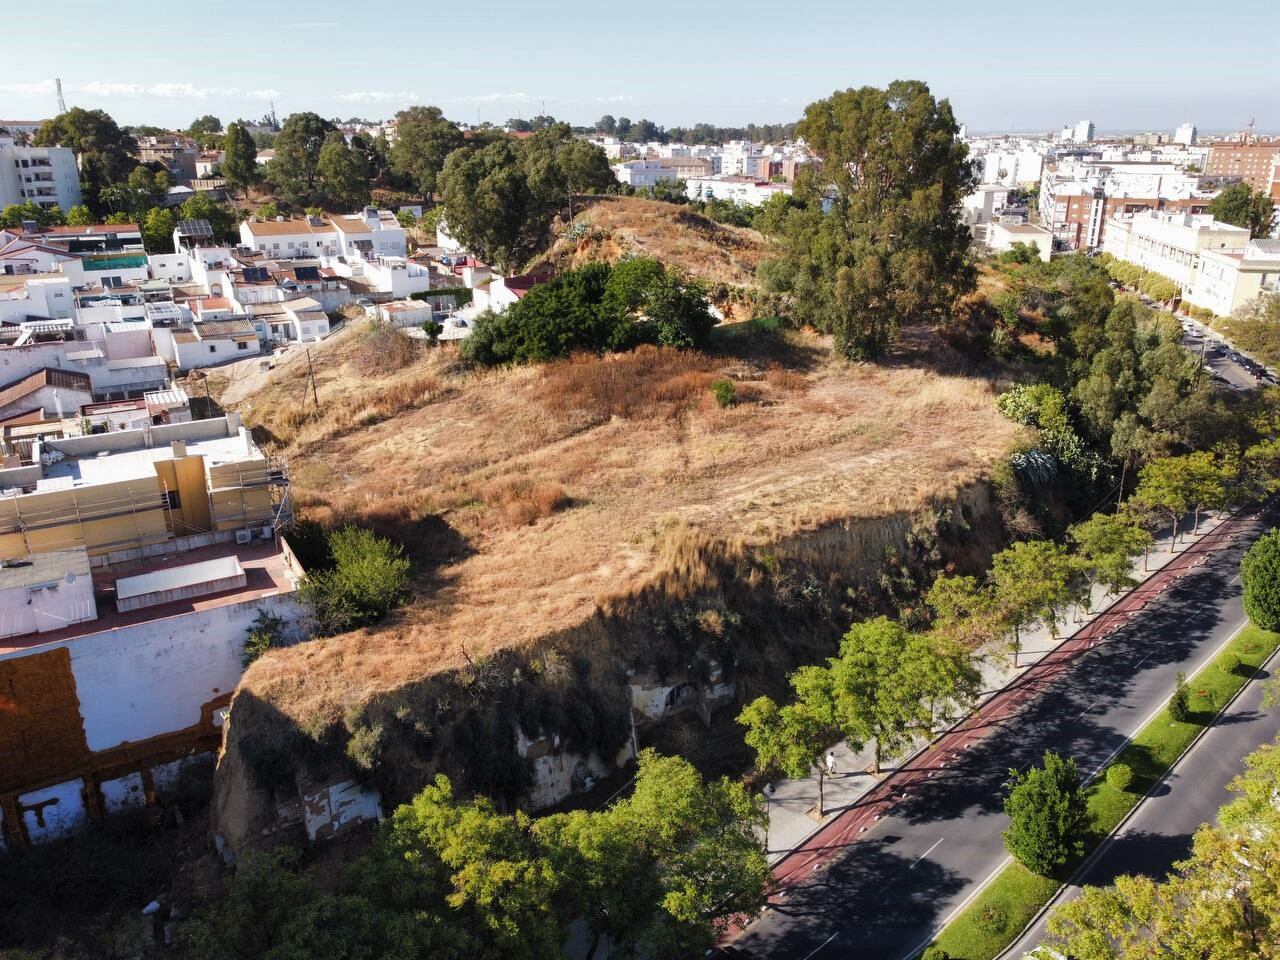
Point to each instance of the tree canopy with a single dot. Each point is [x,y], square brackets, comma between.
[1241,205]
[424,140]
[105,152]
[240,160]
[500,198]
[892,246]
[1260,575]
[1048,815]
[661,870]
[596,308]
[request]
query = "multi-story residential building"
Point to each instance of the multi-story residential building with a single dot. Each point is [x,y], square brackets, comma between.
[1079,199]
[178,155]
[1228,279]
[1252,160]
[1080,132]
[367,235]
[1185,134]
[1171,244]
[45,176]
[642,174]
[135,562]
[745,190]
[740,158]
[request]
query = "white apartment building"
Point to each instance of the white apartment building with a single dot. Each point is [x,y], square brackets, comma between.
[745,190]
[740,158]
[366,235]
[1185,134]
[1080,132]
[47,176]
[1228,279]
[1171,244]
[642,174]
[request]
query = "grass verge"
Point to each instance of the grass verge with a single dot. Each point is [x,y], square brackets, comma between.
[989,924]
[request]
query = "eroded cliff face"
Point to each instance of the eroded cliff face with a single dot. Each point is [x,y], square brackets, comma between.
[533,725]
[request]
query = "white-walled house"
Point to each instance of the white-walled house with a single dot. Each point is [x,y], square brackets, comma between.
[1229,279]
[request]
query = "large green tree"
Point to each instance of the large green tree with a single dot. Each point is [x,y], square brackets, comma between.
[1106,545]
[1260,575]
[1048,815]
[1241,205]
[295,170]
[240,160]
[424,139]
[790,739]
[887,685]
[892,247]
[157,230]
[104,151]
[344,174]
[1035,581]
[500,198]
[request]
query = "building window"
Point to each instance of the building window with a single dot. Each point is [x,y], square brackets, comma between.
[242,345]
[213,348]
[174,499]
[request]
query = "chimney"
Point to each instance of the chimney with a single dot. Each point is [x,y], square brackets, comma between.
[179,448]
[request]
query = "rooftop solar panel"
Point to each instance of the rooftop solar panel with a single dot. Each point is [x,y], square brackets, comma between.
[195,228]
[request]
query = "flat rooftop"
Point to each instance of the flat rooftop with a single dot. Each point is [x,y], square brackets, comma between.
[266,574]
[111,467]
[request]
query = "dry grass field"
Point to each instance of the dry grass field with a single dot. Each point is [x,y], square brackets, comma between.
[533,497]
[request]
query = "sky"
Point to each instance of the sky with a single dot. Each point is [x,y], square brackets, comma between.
[1125,65]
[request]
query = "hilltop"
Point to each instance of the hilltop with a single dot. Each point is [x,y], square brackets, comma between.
[612,227]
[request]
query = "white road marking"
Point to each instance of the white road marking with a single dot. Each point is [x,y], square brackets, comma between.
[823,944]
[925,854]
[1086,709]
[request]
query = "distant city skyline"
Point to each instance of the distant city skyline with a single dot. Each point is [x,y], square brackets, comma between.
[1032,70]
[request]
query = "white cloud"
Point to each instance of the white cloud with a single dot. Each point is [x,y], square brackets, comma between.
[498,98]
[100,88]
[169,91]
[376,96]
[620,98]
[34,88]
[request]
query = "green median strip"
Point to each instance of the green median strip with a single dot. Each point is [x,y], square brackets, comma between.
[1000,913]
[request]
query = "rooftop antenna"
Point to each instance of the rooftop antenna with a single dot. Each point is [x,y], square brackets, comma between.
[62,104]
[1248,138]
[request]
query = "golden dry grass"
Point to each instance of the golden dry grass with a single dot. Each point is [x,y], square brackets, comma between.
[568,486]
[673,234]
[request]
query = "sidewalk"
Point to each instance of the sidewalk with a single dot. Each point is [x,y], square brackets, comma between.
[791,801]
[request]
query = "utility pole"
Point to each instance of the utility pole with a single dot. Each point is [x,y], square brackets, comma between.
[311,375]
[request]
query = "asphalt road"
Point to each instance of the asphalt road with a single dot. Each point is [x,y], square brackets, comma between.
[1220,357]
[885,890]
[1160,831]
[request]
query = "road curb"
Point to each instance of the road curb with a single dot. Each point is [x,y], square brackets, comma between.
[1133,811]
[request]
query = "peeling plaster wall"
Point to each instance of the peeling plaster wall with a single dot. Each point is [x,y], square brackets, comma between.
[86,723]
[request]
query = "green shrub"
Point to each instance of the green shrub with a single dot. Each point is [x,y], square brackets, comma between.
[366,582]
[1229,663]
[1180,702]
[725,392]
[935,953]
[1119,776]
